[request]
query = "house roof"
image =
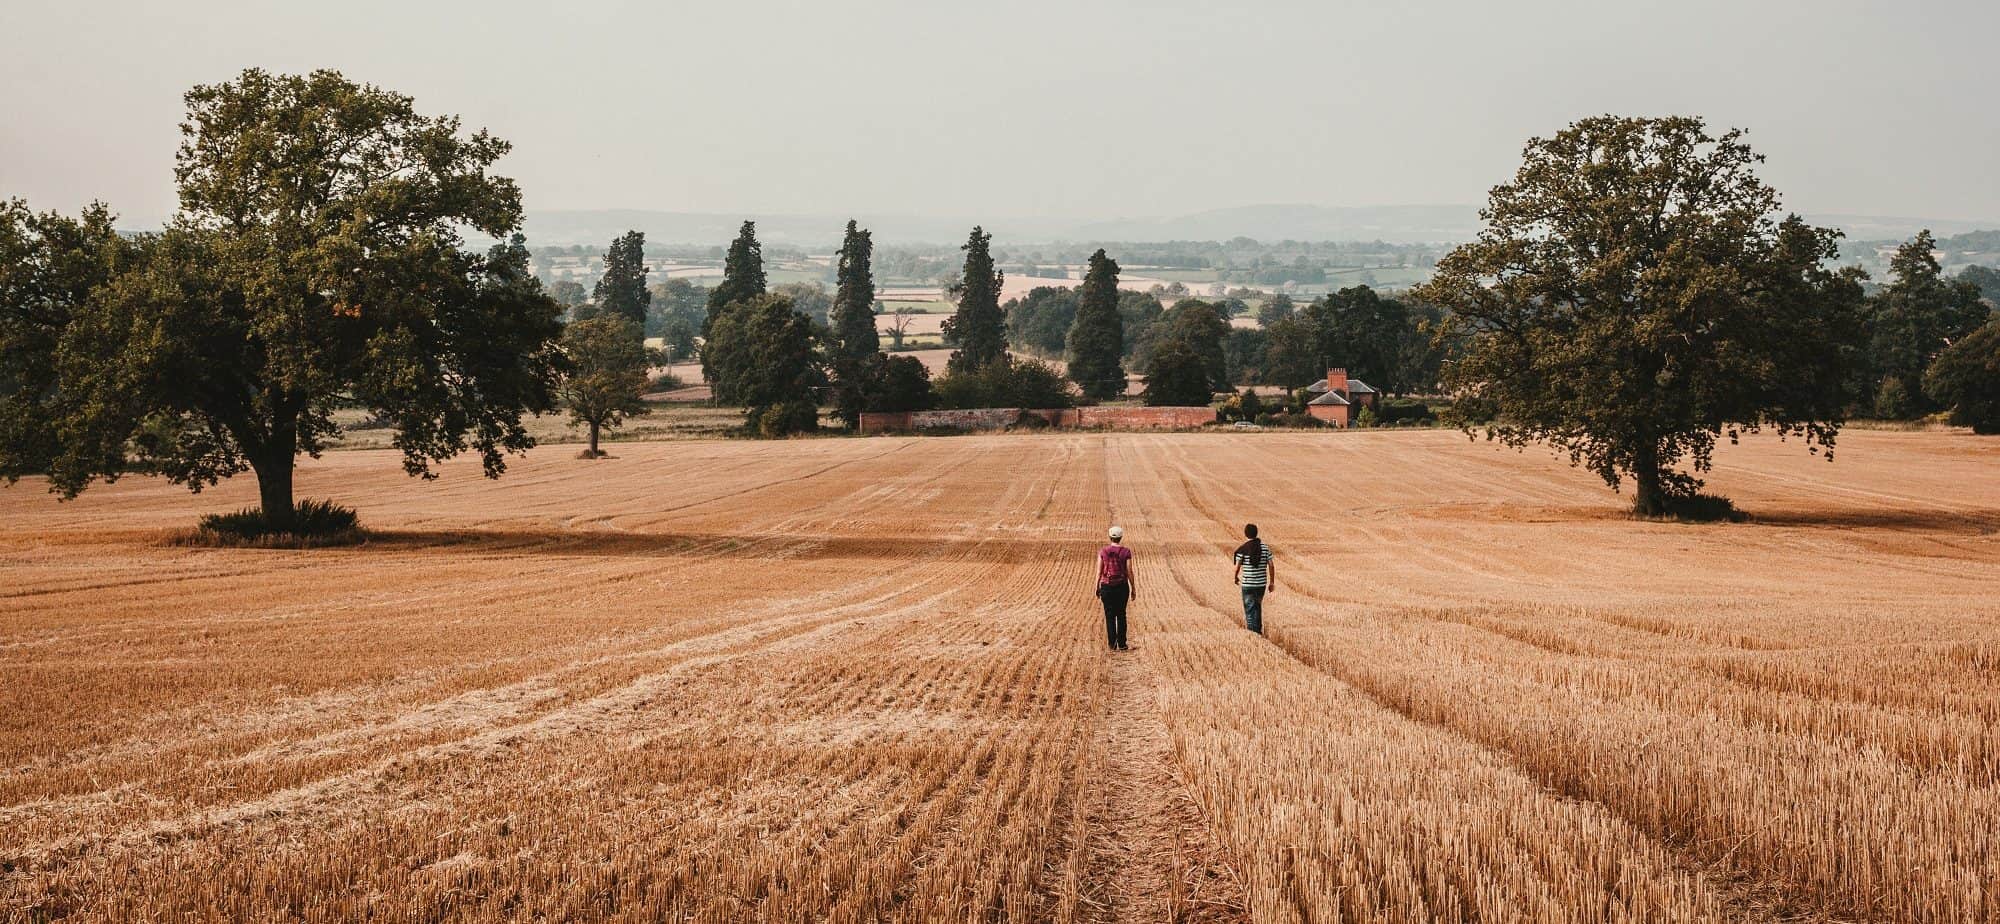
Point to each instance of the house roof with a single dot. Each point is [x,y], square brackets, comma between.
[1354,387]
[1330,399]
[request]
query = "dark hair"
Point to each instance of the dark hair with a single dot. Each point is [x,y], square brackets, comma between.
[1253,548]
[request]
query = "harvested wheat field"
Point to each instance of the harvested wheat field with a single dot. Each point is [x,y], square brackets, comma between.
[859,680]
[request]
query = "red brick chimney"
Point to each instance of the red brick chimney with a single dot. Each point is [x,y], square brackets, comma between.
[1336,381]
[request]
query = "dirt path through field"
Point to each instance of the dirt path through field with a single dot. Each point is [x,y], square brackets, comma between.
[1151,855]
[1132,848]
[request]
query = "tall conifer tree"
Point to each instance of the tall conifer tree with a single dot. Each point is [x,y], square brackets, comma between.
[1097,338]
[854,301]
[979,327]
[742,273]
[742,281]
[856,343]
[622,290]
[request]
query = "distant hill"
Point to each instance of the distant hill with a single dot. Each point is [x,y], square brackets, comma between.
[809,231]
[1886,228]
[1396,224]
[1399,224]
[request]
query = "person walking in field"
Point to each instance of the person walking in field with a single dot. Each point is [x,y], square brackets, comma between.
[1115,587]
[1255,576]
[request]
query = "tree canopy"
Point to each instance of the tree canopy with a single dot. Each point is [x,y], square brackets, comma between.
[1097,338]
[979,327]
[808,298]
[1274,309]
[1986,278]
[895,383]
[679,309]
[1292,353]
[1913,319]
[51,270]
[569,292]
[1633,297]
[1039,321]
[763,350]
[1194,324]
[1178,377]
[1966,379]
[315,259]
[606,372]
[1361,331]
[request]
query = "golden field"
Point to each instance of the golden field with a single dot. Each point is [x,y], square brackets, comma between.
[858,680]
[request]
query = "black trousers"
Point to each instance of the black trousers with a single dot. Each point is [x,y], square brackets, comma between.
[1115,596]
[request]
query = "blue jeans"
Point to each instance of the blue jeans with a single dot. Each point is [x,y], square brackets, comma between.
[1253,609]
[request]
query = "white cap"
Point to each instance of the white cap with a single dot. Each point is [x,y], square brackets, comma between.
[1117,532]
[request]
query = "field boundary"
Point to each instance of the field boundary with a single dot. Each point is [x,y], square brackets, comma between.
[1000,418]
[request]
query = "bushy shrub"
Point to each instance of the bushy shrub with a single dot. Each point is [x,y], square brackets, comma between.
[1404,412]
[899,383]
[1250,406]
[1366,418]
[1009,382]
[321,521]
[1892,400]
[1245,405]
[787,418]
[1702,508]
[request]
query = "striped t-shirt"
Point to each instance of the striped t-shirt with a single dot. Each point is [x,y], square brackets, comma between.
[1256,568]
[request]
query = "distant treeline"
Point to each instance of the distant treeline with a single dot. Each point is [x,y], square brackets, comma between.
[1240,260]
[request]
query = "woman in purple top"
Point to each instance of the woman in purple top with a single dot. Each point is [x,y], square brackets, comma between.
[1115,587]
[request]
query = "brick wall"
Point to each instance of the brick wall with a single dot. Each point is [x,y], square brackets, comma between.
[992,418]
[1139,418]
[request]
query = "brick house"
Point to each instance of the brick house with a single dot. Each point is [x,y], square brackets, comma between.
[1339,397]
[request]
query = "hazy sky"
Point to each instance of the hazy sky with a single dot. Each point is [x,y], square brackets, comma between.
[1011,109]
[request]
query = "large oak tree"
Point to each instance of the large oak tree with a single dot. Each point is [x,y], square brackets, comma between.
[316,259]
[1634,296]
[606,374]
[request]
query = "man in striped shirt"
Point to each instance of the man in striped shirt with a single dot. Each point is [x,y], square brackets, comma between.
[1255,576]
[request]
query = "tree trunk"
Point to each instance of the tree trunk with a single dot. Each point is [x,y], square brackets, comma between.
[1649,499]
[274,460]
[593,438]
[274,490]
